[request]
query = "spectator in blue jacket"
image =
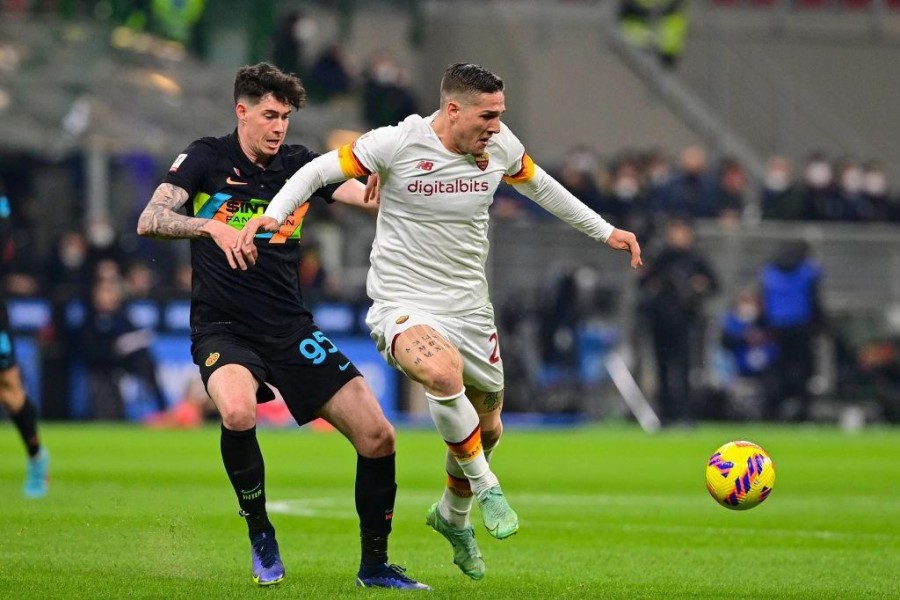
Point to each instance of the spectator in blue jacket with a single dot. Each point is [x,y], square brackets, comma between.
[792,312]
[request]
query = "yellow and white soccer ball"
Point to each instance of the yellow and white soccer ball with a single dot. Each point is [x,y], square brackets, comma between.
[740,475]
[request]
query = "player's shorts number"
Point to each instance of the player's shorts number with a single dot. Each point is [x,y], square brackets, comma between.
[314,348]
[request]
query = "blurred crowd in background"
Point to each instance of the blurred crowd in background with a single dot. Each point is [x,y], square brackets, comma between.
[765,342]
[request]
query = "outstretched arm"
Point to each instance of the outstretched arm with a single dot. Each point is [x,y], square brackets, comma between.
[627,242]
[159,219]
[549,193]
[319,172]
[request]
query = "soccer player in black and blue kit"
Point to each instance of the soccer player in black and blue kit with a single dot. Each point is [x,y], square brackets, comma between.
[12,393]
[250,326]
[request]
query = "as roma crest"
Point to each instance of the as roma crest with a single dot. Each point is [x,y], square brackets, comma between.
[481,161]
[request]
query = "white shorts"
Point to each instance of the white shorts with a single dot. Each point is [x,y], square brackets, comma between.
[474,335]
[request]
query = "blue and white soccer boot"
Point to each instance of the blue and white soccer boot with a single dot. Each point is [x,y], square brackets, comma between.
[37,475]
[267,566]
[387,576]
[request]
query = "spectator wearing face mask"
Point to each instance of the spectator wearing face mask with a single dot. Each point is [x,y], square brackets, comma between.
[875,191]
[292,37]
[70,266]
[847,202]
[387,99]
[818,177]
[745,337]
[657,169]
[103,242]
[330,76]
[627,196]
[730,192]
[578,174]
[782,197]
[690,191]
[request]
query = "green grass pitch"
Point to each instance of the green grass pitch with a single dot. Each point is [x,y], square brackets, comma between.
[606,512]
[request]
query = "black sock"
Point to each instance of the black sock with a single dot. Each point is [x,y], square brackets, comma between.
[26,423]
[376,488]
[244,464]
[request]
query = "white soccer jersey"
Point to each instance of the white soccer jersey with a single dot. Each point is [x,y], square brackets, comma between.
[431,240]
[432,235]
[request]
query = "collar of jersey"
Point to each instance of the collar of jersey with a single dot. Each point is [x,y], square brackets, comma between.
[240,159]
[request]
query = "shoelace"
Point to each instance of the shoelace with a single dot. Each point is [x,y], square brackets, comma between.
[266,551]
[469,543]
[399,571]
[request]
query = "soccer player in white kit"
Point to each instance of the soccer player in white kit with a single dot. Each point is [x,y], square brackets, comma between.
[432,316]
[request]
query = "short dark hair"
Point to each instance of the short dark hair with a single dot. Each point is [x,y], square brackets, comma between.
[468,79]
[254,82]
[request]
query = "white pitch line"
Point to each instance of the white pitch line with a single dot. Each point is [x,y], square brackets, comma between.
[334,507]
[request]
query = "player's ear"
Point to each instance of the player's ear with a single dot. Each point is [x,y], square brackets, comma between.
[240,110]
[453,109]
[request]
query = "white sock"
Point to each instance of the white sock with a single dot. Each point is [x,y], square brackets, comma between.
[455,509]
[456,503]
[457,422]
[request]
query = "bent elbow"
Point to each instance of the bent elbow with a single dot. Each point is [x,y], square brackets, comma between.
[143,228]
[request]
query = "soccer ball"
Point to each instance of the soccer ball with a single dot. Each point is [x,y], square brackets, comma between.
[740,475]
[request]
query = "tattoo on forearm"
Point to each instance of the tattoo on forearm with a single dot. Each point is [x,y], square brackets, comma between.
[161,220]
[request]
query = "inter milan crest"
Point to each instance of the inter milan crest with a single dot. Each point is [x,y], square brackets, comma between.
[481,161]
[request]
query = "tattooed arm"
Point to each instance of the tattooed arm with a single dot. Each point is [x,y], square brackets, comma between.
[160,220]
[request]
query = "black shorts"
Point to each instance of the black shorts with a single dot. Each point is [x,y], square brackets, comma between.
[7,348]
[305,367]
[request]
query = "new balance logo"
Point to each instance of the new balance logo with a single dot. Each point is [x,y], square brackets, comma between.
[425,165]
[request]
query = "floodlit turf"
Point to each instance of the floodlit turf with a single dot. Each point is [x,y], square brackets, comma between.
[606,512]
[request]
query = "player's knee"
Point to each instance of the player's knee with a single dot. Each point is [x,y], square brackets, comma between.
[442,382]
[237,414]
[8,384]
[441,374]
[377,440]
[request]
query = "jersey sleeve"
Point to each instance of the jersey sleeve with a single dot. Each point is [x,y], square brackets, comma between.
[191,166]
[371,153]
[520,167]
[326,192]
[551,194]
